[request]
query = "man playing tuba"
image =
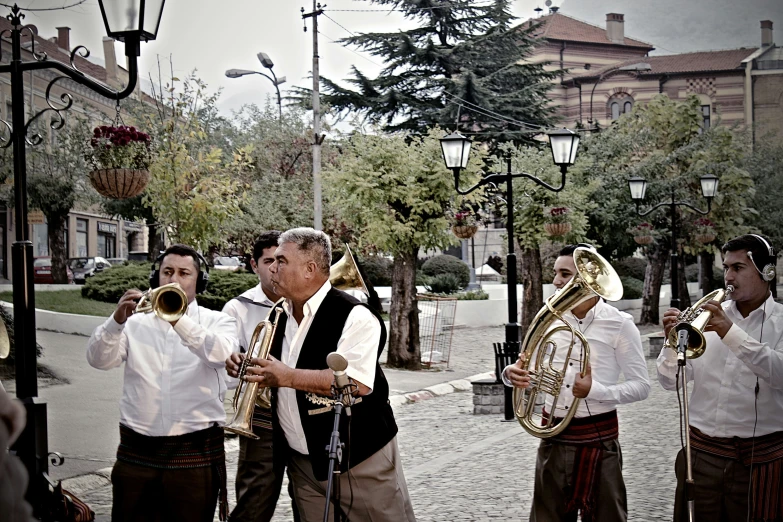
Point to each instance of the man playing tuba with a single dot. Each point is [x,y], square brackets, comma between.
[580,469]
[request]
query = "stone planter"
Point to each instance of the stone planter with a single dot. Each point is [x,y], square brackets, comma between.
[464,231]
[643,240]
[705,238]
[119,183]
[557,229]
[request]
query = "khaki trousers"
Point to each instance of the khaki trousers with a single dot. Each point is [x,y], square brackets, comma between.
[554,477]
[373,491]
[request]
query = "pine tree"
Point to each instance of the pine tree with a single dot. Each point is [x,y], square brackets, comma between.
[462,63]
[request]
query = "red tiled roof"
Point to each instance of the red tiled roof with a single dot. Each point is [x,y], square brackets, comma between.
[704,61]
[558,26]
[54,52]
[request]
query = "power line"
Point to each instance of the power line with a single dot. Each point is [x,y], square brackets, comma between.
[30,9]
[403,10]
[339,24]
[332,40]
[487,112]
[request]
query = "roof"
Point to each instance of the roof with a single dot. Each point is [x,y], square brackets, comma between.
[703,61]
[558,26]
[56,53]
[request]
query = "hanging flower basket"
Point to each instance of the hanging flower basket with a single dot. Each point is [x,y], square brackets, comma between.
[557,229]
[643,240]
[705,238]
[464,231]
[120,157]
[119,183]
[704,230]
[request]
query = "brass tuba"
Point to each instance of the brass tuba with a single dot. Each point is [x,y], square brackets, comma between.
[248,396]
[169,302]
[344,274]
[595,276]
[694,319]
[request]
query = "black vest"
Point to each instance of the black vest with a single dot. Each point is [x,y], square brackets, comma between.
[372,423]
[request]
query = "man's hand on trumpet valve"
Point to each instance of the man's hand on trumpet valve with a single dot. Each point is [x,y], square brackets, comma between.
[669,320]
[518,376]
[233,363]
[269,372]
[719,322]
[127,305]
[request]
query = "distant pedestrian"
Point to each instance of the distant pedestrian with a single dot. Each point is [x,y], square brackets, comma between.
[170,462]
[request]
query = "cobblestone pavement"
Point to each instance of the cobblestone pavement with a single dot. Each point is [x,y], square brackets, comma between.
[462,467]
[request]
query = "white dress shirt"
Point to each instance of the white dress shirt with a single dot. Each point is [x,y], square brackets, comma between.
[174,380]
[615,347]
[358,344]
[724,377]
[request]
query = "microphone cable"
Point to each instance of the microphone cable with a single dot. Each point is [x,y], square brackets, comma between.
[751,497]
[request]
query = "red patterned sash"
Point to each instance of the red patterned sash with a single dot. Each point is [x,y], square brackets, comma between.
[766,455]
[587,434]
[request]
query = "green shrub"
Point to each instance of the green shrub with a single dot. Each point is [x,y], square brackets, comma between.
[632,288]
[108,286]
[224,286]
[473,295]
[443,284]
[692,273]
[378,270]
[445,264]
[631,267]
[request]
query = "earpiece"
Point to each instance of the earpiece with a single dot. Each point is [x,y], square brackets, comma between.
[201,282]
[768,273]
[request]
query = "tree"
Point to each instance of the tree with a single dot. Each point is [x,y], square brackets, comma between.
[664,143]
[462,63]
[395,191]
[765,165]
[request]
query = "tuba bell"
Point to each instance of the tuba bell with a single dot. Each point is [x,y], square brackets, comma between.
[595,276]
[169,302]
[344,274]
[248,396]
[694,319]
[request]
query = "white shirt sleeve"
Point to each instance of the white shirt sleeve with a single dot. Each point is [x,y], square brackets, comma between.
[359,345]
[630,358]
[108,345]
[763,360]
[230,309]
[213,344]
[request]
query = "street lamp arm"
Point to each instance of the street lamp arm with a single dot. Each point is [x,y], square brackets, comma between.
[676,204]
[504,177]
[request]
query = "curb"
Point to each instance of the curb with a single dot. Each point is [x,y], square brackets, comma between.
[83,484]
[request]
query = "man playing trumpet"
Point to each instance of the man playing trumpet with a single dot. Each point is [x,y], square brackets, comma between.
[736,407]
[170,462]
[580,469]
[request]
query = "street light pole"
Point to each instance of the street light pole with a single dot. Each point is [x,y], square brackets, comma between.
[32,444]
[456,150]
[238,73]
[709,188]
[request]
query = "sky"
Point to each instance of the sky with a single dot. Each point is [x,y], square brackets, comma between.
[211,36]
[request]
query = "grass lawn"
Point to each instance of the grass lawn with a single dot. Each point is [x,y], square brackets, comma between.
[67,301]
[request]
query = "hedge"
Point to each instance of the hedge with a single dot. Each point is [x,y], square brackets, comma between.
[631,267]
[632,288]
[446,264]
[442,284]
[111,284]
[378,270]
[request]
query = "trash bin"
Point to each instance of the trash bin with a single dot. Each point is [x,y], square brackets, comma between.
[505,354]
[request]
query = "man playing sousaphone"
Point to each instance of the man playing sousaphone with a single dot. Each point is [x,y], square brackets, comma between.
[580,469]
[736,409]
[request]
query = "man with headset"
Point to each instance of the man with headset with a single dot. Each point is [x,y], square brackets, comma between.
[736,408]
[170,462]
[580,470]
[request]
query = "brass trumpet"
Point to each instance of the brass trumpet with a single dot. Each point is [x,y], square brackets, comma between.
[248,396]
[169,302]
[694,319]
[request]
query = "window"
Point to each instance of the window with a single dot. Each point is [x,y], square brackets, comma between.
[107,239]
[705,116]
[41,240]
[81,237]
[619,105]
[65,238]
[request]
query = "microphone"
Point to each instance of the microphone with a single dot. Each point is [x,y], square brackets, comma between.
[337,363]
[682,345]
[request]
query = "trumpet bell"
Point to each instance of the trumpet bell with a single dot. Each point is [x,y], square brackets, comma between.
[598,274]
[169,302]
[344,274]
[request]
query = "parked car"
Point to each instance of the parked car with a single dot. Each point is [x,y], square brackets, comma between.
[114,261]
[42,271]
[84,267]
[229,264]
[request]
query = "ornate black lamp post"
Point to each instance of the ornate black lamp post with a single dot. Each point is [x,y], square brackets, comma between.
[456,150]
[131,22]
[709,188]
[266,61]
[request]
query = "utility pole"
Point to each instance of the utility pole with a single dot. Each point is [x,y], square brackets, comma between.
[318,138]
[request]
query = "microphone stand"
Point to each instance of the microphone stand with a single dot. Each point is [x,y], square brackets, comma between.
[682,346]
[335,451]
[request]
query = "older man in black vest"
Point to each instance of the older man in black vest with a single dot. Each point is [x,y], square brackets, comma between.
[318,320]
